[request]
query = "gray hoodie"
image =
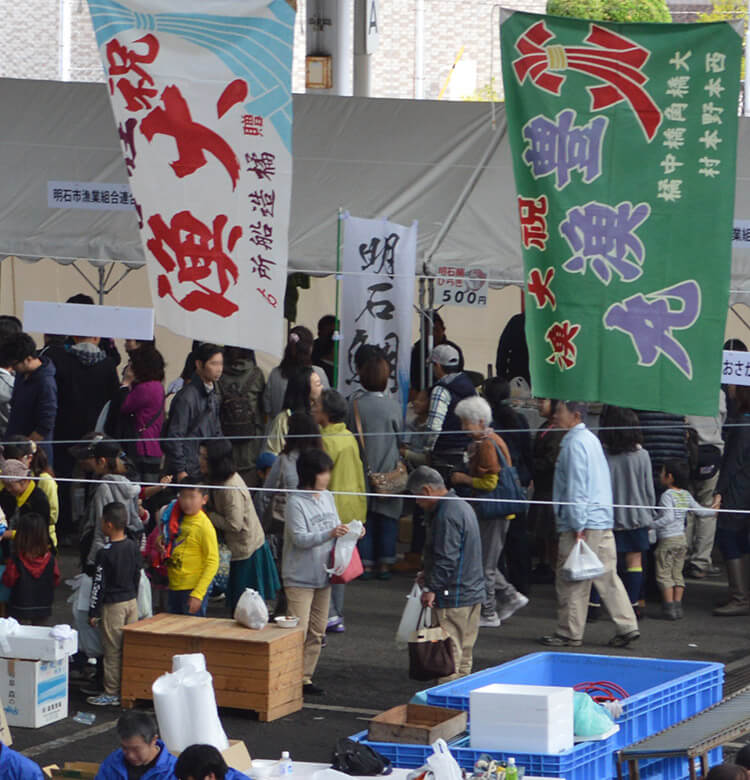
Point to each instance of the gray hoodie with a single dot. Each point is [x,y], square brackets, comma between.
[113,487]
[310,518]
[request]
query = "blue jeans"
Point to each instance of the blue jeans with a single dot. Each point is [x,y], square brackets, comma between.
[378,545]
[177,603]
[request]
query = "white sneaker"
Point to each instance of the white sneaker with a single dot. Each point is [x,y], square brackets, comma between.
[492,621]
[519,602]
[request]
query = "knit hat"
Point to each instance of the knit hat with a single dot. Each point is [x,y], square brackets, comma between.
[445,355]
[12,470]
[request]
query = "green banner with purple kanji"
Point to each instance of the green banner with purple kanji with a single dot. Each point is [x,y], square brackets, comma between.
[624,144]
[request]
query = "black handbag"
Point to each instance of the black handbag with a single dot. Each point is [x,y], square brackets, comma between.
[430,652]
[354,758]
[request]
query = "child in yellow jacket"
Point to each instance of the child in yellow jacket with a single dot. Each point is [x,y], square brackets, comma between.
[347,475]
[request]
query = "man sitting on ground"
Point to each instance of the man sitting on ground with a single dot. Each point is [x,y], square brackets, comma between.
[141,754]
[204,762]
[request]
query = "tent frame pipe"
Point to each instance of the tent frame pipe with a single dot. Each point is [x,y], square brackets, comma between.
[103,277]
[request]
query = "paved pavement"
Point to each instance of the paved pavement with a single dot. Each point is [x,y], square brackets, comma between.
[363,672]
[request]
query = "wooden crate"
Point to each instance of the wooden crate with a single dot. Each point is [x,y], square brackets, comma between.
[252,670]
[417,724]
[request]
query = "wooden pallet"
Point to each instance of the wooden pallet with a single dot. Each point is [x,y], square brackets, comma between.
[252,670]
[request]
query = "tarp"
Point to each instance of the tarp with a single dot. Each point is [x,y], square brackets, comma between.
[399,159]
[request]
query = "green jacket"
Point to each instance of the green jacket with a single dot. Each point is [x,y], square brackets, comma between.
[348,473]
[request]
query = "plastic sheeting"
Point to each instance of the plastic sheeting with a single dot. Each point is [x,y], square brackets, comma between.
[400,159]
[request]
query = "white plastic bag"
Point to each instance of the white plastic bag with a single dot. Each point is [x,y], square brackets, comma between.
[582,564]
[410,616]
[251,610]
[442,763]
[344,548]
[145,605]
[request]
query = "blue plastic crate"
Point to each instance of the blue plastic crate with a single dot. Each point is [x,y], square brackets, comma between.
[661,692]
[586,761]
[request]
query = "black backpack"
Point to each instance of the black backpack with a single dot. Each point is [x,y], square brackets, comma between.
[354,758]
[237,412]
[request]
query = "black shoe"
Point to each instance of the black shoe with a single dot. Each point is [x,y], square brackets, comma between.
[92,690]
[310,689]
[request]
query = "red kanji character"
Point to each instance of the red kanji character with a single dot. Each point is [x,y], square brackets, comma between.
[262,165]
[560,337]
[191,137]
[123,61]
[533,223]
[540,288]
[265,201]
[262,235]
[269,297]
[261,266]
[127,136]
[252,125]
[197,252]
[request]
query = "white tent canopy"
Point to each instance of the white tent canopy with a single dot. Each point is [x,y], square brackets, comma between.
[441,163]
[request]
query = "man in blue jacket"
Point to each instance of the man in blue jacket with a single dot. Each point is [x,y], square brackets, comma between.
[14,766]
[453,572]
[204,762]
[33,405]
[141,754]
[582,491]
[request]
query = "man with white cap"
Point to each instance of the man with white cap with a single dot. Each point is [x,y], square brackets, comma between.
[446,438]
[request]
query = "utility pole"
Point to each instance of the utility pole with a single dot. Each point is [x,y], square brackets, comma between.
[330,28]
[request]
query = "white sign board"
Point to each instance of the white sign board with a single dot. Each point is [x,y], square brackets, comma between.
[741,234]
[379,262]
[458,287]
[735,368]
[372,32]
[78,319]
[91,195]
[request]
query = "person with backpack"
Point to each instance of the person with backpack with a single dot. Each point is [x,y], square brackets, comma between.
[241,388]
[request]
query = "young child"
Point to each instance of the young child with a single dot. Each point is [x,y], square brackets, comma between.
[114,595]
[189,545]
[31,572]
[674,504]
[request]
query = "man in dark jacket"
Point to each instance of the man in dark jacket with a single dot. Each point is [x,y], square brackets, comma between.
[453,574]
[194,414]
[439,337]
[453,385]
[664,438]
[34,400]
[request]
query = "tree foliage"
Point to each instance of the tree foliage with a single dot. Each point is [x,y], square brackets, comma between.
[613,10]
[727,11]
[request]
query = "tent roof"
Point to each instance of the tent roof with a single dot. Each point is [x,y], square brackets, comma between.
[400,159]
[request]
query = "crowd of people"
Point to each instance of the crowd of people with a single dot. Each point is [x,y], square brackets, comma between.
[225,481]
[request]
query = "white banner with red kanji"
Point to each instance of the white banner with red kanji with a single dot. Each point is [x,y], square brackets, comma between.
[203,106]
[379,260]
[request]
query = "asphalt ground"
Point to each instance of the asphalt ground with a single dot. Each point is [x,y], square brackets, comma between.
[363,672]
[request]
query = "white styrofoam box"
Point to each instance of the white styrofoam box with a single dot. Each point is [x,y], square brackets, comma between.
[521,718]
[34,693]
[36,643]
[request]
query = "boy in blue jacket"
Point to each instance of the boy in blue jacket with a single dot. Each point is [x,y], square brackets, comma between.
[14,766]
[204,762]
[140,750]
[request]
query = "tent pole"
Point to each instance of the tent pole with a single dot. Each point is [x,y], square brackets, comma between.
[431,314]
[337,333]
[422,333]
[497,137]
[100,288]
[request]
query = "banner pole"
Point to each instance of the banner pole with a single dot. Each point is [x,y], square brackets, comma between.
[336,333]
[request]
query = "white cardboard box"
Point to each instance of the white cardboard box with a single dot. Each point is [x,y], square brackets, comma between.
[36,644]
[34,693]
[521,718]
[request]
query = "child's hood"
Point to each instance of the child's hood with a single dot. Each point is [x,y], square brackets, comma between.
[36,566]
[121,487]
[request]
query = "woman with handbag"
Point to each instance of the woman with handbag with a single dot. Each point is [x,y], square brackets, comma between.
[303,391]
[312,525]
[142,411]
[377,419]
[490,475]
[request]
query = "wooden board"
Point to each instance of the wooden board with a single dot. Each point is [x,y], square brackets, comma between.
[255,670]
[417,724]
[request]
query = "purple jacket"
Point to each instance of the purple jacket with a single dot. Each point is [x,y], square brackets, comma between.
[145,402]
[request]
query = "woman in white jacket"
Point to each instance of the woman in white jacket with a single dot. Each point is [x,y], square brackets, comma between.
[311,527]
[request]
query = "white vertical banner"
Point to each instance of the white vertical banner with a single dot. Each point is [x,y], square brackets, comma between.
[201,94]
[379,261]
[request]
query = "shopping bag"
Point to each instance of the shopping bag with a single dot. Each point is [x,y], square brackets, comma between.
[430,652]
[507,498]
[442,763]
[251,610]
[145,605]
[410,616]
[582,564]
[344,554]
[352,571]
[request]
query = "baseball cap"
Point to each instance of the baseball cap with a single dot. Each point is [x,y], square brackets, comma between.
[95,445]
[445,355]
[265,460]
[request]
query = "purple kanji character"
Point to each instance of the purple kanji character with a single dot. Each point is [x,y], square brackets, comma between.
[561,147]
[650,321]
[606,237]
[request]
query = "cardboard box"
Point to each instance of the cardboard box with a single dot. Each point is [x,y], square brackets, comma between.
[34,643]
[34,693]
[417,724]
[80,770]
[236,756]
[522,718]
